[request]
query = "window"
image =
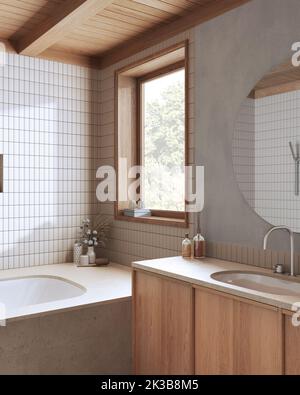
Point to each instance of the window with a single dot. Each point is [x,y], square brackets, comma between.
[151,104]
[162,141]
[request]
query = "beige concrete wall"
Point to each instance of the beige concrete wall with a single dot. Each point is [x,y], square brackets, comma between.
[232,53]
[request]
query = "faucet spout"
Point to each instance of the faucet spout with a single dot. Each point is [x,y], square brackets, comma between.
[291,233]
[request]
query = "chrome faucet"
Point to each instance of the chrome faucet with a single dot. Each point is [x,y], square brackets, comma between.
[291,243]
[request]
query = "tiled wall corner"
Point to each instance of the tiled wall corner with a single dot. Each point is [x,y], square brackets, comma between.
[49,125]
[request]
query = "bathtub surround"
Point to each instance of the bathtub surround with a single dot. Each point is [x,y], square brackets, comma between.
[87,333]
[85,341]
[49,125]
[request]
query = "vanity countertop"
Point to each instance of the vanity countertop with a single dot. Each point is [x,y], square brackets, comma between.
[198,272]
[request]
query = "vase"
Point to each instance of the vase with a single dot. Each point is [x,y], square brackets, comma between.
[77,252]
[91,254]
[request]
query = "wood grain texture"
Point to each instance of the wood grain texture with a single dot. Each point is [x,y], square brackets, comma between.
[258,338]
[164,326]
[275,89]
[214,333]
[58,25]
[113,29]
[292,346]
[128,119]
[281,79]
[236,336]
[199,15]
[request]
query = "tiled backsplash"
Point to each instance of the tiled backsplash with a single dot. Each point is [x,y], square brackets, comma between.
[49,123]
[250,255]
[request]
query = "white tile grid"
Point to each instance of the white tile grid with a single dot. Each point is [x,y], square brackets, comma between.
[48,134]
[276,121]
[243,150]
[137,241]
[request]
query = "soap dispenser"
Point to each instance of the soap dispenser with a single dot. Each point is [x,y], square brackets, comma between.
[186,247]
[198,242]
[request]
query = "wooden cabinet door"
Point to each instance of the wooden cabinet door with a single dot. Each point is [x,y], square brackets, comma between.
[236,336]
[292,346]
[213,333]
[163,325]
[258,338]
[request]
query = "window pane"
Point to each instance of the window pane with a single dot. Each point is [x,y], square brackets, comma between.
[163,142]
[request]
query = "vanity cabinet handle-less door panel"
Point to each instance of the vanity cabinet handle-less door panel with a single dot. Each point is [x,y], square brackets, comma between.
[292,346]
[163,325]
[236,336]
[258,339]
[213,333]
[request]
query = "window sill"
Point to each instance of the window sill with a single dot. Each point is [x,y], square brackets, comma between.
[163,221]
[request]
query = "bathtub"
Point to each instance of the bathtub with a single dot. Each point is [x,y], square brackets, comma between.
[64,319]
[39,290]
[22,292]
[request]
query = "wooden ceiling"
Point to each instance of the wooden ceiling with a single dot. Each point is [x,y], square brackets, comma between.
[99,32]
[281,79]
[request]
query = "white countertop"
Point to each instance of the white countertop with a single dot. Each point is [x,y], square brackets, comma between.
[103,284]
[198,272]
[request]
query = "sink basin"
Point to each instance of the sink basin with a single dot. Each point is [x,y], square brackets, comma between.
[259,282]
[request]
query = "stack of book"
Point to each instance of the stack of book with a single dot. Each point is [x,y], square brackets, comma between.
[137,212]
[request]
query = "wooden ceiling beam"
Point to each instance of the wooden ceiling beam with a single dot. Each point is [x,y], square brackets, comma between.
[71,14]
[199,15]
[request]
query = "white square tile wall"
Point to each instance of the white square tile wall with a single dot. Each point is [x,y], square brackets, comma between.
[262,158]
[49,122]
[243,150]
[277,121]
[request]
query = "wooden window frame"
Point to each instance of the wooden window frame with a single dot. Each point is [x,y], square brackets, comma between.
[160,217]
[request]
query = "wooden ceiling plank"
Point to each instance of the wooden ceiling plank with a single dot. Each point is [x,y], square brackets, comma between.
[145,9]
[81,49]
[99,21]
[72,13]
[87,34]
[130,12]
[65,57]
[42,7]
[200,14]
[130,20]
[161,5]
[76,41]
[104,26]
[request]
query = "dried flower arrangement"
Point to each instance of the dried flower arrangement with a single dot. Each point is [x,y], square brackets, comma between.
[98,235]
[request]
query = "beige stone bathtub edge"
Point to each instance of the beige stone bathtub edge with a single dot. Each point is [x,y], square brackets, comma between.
[103,285]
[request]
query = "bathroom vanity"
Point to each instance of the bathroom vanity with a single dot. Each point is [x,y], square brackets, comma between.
[188,321]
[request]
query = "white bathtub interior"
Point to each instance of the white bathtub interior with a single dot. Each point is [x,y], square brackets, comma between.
[16,293]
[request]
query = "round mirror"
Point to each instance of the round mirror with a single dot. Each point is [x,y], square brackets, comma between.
[266,147]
